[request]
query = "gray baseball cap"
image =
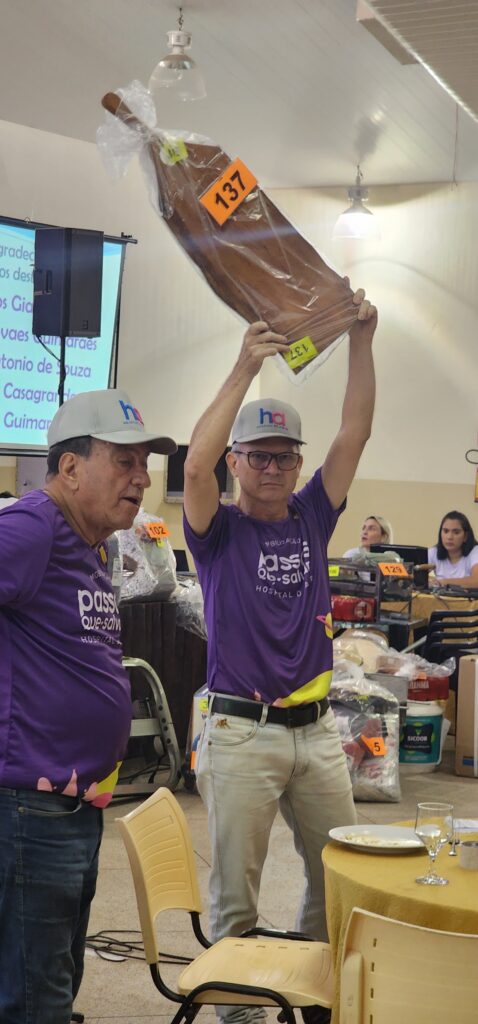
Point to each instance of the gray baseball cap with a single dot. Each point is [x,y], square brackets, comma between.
[267,417]
[108,416]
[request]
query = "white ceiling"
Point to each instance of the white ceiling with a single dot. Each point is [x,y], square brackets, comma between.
[297,88]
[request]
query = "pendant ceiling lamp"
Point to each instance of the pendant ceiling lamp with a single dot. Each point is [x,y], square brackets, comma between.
[357,221]
[177,71]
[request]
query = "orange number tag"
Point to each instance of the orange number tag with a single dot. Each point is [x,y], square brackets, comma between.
[157,531]
[226,194]
[300,352]
[375,745]
[393,569]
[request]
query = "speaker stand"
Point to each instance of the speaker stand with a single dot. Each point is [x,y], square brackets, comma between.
[62,371]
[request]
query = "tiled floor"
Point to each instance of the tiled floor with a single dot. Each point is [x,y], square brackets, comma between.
[123,992]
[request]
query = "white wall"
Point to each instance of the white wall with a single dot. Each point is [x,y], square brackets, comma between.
[178,341]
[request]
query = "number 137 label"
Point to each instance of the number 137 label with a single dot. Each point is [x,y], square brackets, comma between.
[228,191]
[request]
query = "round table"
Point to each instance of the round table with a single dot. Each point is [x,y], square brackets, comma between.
[385,884]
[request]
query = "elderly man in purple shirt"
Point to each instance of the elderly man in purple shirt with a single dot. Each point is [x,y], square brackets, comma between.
[65,705]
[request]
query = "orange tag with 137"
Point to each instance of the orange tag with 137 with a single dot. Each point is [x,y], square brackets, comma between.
[228,191]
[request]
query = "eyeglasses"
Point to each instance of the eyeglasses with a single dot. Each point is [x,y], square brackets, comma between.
[262,460]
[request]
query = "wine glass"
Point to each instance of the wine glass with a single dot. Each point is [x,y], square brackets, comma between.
[434,826]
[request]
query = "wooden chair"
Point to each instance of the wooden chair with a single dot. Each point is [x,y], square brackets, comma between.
[262,967]
[397,973]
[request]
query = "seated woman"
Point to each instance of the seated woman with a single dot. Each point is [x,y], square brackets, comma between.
[455,555]
[375,530]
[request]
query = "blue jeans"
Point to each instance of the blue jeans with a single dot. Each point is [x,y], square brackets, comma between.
[48,867]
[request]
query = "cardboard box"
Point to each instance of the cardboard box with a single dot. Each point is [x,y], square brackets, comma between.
[466,745]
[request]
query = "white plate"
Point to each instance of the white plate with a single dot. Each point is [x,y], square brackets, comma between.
[378,838]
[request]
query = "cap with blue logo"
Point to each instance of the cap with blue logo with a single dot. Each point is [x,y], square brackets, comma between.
[267,417]
[108,416]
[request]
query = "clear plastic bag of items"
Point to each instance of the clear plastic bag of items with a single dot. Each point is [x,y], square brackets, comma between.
[368,721]
[190,608]
[147,559]
[248,252]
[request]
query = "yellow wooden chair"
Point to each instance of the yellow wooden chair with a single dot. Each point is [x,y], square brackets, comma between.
[262,967]
[397,973]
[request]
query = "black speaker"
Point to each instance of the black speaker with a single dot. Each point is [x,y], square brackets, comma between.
[67,281]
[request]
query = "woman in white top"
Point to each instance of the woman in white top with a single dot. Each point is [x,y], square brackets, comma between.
[455,556]
[375,530]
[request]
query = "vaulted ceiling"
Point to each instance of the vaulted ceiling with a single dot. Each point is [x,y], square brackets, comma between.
[298,88]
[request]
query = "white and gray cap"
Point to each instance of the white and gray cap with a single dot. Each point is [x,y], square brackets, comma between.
[107,415]
[267,417]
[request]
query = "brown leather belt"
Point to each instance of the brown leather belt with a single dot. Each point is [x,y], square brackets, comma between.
[292,717]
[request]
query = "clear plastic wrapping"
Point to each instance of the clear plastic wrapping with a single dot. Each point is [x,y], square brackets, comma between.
[368,720]
[147,559]
[255,261]
[190,608]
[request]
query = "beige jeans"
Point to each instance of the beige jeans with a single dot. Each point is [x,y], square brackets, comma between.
[246,772]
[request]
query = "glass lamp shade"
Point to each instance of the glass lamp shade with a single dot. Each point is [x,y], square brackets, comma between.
[356,222]
[177,71]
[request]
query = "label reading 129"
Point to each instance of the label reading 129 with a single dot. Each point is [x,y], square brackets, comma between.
[228,191]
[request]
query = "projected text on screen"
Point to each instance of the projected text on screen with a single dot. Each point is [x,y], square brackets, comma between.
[28,373]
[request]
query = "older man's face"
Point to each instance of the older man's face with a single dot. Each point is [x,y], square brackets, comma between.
[111,483]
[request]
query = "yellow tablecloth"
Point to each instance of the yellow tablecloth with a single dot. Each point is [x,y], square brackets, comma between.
[423,604]
[385,884]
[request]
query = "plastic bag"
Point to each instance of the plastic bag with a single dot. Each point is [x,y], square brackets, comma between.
[368,721]
[190,608]
[147,558]
[254,259]
[362,646]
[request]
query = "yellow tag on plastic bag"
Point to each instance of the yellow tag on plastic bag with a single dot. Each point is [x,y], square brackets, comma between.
[300,352]
[173,151]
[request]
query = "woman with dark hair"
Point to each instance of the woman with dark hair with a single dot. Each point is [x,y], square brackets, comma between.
[455,556]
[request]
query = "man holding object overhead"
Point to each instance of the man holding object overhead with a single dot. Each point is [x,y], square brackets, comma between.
[65,699]
[270,739]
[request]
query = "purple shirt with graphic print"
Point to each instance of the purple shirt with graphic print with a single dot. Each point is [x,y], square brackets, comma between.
[65,704]
[267,599]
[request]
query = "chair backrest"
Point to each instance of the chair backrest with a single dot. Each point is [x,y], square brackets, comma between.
[451,633]
[161,856]
[394,972]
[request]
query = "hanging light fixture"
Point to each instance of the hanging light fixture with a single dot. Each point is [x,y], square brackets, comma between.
[177,71]
[357,221]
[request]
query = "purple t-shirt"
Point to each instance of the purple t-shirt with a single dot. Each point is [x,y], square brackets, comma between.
[65,699]
[267,599]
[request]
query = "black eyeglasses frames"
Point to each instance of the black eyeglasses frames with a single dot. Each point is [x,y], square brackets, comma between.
[262,460]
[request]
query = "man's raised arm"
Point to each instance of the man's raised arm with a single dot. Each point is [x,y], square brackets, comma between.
[357,411]
[211,433]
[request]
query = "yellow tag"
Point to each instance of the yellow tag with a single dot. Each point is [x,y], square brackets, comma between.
[173,151]
[300,352]
[203,705]
[393,569]
[375,745]
[228,191]
[102,554]
[334,570]
[157,531]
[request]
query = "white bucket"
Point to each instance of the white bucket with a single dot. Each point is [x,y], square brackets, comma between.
[420,736]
